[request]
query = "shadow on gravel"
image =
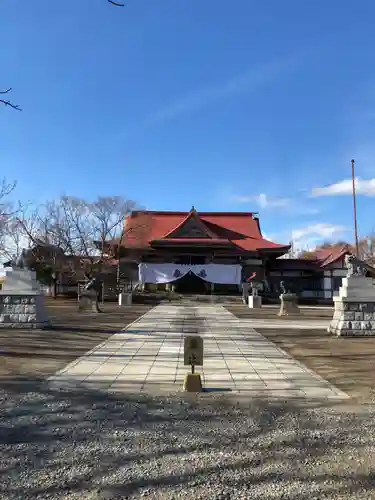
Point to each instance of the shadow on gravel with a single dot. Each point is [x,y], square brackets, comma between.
[93,445]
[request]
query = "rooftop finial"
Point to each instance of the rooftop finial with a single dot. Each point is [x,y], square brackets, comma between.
[193,209]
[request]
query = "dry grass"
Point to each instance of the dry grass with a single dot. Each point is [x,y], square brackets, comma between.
[37,353]
[349,363]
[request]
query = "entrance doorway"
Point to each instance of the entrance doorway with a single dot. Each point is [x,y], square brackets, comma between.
[191,284]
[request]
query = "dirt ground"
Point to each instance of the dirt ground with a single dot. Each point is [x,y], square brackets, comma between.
[349,363]
[36,353]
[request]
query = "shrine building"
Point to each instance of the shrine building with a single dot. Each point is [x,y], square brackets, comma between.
[198,252]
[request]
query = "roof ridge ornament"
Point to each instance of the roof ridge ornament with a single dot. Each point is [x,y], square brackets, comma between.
[193,209]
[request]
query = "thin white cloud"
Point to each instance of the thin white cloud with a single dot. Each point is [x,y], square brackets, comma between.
[310,236]
[345,187]
[245,82]
[263,201]
[322,230]
[267,202]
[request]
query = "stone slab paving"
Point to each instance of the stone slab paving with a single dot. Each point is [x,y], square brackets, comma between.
[148,356]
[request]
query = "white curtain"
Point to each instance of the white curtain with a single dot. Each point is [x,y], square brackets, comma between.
[161,273]
[219,273]
[213,273]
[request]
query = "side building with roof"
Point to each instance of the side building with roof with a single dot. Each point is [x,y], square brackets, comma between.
[316,277]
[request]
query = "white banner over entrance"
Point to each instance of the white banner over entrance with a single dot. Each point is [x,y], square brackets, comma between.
[213,273]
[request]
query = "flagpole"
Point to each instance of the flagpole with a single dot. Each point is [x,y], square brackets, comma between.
[355,210]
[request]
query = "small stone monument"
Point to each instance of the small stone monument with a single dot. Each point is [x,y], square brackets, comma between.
[21,299]
[289,302]
[193,356]
[354,313]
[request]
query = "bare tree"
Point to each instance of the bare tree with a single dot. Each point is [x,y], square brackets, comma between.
[366,247]
[7,212]
[43,255]
[14,240]
[81,229]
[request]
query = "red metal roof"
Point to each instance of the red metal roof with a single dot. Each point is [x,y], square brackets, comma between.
[239,228]
[326,256]
[196,241]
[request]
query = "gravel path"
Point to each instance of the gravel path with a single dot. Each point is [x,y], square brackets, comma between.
[56,445]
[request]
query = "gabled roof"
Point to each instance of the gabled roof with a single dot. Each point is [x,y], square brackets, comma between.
[145,229]
[193,217]
[326,256]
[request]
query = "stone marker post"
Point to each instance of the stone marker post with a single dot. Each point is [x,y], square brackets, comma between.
[193,356]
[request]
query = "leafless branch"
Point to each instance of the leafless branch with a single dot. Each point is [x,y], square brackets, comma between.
[116,3]
[8,210]
[80,229]
[8,103]
[4,92]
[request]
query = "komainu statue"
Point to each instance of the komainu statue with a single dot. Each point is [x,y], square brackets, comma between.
[354,266]
[23,261]
[90,294]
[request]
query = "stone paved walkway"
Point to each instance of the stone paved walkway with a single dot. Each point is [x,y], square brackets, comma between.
[148,356]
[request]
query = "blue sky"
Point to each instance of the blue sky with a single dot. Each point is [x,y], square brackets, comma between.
[242,105]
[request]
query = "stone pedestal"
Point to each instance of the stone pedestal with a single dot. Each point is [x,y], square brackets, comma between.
[125,299]
[289,304]
[255,301]
[354,313]
[21,301]
[192,382]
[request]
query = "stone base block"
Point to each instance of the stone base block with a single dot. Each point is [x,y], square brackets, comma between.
[19,282]
[289,304]
[125,299]
[353,318]
[255,301]
[357,288]
[29,326]
[192,382]
[23,311]
[352,333]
